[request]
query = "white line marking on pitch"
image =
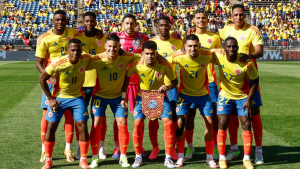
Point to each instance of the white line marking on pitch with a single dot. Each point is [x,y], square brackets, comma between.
[10,62]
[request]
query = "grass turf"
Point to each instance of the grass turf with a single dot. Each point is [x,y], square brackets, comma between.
[20,116]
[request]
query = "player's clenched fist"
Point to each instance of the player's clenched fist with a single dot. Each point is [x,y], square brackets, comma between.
[163,89]
[54,104]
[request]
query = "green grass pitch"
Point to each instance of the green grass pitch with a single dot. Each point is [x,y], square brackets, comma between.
[20,116]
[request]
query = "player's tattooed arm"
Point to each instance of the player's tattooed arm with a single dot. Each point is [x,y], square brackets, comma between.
[248,103]
[259,52]
[40,67]
[165,88]
[53,103]
[124,89]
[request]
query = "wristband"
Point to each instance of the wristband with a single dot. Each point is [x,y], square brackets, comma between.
[123,95]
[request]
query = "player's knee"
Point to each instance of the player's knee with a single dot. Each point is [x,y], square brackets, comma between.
[121,121]
[52,126]
[97,121]
[181,124]
[246,124]
[222,124]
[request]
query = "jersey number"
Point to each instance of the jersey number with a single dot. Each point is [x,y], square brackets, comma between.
[96,103]
[151,82]
[92,51]
[180,101]
[62,50]
[194,74]
[226,74]
[165,55]
[113,76]
[74,79]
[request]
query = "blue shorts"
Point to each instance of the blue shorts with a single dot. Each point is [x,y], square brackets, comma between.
[256,98]
[99,105]
[87,94]
[45,101]
[138,113]
[225,106]
[76,105]
[214,93]
[172,96]
[203,103]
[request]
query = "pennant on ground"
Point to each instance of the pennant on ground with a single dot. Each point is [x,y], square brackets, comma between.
[152,103]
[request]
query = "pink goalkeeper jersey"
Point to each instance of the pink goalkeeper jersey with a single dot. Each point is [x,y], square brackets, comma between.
[132,44]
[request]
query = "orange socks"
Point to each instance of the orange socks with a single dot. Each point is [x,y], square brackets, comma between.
[189,136]
[222,135]
[95,139]
[168,136]
[247,137]
[180,146]
[116,133]
[233,129]
[69,126]
[209,147]
[49,148]
[137,135]
[103,129]
[257,129]
[153,128]
[123,138]
[43,126]
[84,148]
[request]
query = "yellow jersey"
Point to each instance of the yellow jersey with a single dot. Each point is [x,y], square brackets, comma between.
[234,76]
[51,46]
[166,49]
[93,46]
[110,74]
[69,77]
[247,37]
[211,41]
[151,78]
[193,72]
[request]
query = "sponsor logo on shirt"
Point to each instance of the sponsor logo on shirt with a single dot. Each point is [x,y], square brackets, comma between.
[105,68]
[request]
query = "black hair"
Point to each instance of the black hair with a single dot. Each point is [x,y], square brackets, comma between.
[200,10]
[164,18]
[129,16]
[89,14]
[231,38]
[77,41]
[238,6]
[192,37]
[60,12]
[149,45]
[113,37]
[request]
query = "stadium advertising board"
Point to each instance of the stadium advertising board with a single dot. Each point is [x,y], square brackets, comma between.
[17,56]
[280,56]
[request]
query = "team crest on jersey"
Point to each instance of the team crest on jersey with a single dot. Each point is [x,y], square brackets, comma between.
[158,74]
[137,41]
[81,69]
[50,114]
[209,41]
[243,37]
[237,71]
[135,113]
[47,102]
[122,41]
[220,108]
[202,65]
[93,111]
[173,47]
[121,65]
[69,38]
[99,42]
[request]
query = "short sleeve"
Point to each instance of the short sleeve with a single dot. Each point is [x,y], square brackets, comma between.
[218,42]
[51,69]
[131,70]
[252,71]
[41,48]
[223,33]
[257,38]
[170,73]
[93,62]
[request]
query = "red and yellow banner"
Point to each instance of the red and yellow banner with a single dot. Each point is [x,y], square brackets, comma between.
[152,103]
